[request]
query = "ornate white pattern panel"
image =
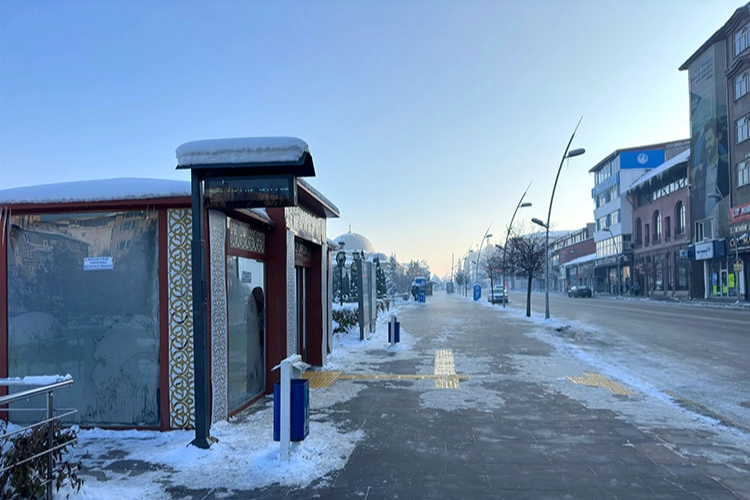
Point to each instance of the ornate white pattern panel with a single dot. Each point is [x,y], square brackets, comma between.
[181,389]
[291,299]
[305,224]
[217,224]
[243,237]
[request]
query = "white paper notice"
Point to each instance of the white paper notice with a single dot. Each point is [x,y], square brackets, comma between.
[98,264]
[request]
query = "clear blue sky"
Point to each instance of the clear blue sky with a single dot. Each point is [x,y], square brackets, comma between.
[426,119]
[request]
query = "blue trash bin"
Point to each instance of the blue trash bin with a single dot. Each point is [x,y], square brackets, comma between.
[300,410]
[394,332]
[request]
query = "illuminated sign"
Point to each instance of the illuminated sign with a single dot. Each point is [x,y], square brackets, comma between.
[740,213]
[251,192]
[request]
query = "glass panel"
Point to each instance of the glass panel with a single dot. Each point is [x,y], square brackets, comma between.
[83,300]
[246,299]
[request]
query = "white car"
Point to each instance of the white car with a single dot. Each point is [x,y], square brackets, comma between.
[498,295]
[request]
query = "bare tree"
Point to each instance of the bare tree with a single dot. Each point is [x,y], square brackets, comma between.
[493,266]
[461,279]
[526,256]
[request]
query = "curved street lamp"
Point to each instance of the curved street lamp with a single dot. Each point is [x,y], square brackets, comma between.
[566,154]
[479,255]
[507,235]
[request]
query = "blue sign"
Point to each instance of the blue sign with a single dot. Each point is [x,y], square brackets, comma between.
[641,159]
[477,292]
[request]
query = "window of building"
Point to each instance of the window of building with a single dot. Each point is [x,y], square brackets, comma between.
[743,129]
[741,40]
[638,232]
[679,211]
[743,173]
[703,230]
[667,228]
[657,226]
[647,235]
[614,217]
[658,273]
[741,85]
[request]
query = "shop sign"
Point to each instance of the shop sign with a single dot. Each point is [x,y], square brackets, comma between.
[739,213]
[704,251]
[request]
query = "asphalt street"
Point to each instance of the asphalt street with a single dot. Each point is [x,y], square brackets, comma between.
[527,415]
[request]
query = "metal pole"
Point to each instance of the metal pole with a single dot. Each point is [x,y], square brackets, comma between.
[549,214]
[479,254]
[50,442]
[200,335]
[507,235]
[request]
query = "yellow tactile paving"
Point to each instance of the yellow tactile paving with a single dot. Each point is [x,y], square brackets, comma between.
[445,375]
[599,380]
[320,380]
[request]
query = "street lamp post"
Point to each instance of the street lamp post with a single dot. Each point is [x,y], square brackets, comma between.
[507,235]
[479,254]
[617,249]
[566,154]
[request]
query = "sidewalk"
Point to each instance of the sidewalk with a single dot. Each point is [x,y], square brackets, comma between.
[510,423]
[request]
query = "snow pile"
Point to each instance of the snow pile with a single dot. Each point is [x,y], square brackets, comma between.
[241,150]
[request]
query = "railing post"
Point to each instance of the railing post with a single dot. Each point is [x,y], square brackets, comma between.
[50,441]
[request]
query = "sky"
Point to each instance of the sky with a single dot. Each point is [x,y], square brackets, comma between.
[426,120]
[246,457]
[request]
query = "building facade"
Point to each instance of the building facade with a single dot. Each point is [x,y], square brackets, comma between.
[613,214]
[718,78]
[575,258]
[661,230]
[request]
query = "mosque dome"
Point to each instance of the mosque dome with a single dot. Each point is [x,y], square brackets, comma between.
[354,242]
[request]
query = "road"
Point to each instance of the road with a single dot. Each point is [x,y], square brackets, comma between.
[697,354]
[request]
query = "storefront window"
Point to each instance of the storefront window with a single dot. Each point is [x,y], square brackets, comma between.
[83,300]
[246,296]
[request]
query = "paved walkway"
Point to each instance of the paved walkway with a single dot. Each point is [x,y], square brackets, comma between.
[484,420]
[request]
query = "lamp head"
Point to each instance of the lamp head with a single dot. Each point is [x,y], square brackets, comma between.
[538,222]
[525,204]
[575,152]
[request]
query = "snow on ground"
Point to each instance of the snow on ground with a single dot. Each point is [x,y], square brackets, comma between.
[246,457]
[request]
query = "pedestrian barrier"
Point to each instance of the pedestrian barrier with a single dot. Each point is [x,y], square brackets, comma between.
[50,417]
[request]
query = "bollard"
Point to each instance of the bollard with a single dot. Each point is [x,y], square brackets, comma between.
[394,333]
[291,366]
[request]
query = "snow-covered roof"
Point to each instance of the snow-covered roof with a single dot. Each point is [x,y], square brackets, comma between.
[241,150]
[580,260]
[654,172]
[102,190]
[96,190]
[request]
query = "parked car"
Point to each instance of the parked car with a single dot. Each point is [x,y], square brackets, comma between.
[579,291]
[498,295]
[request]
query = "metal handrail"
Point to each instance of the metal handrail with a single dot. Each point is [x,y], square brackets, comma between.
[12,398]
[49,421]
